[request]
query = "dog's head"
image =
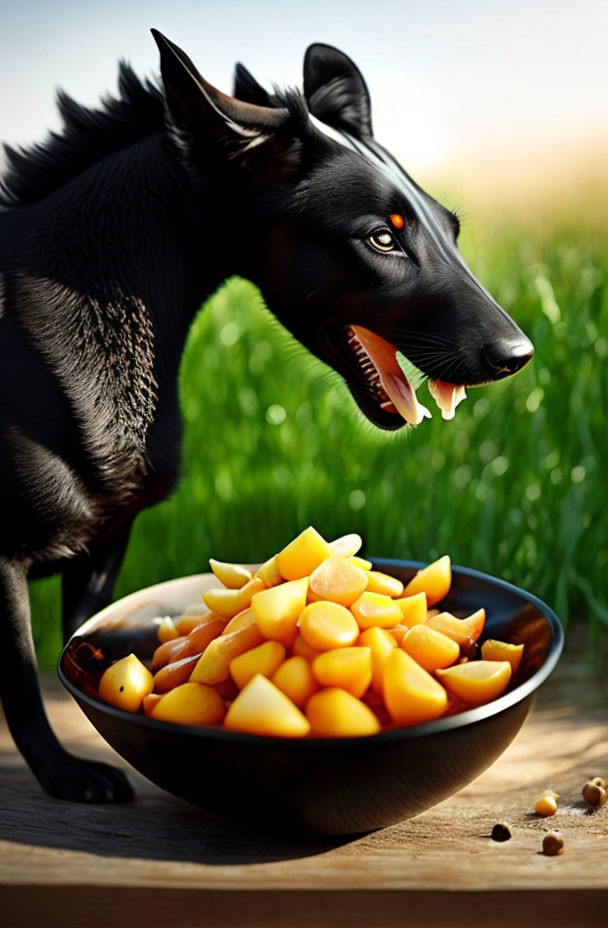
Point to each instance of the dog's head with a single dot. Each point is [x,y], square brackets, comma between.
[352,256]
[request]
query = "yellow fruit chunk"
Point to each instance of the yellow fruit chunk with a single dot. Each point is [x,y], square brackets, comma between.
[492,650]
[269,572]
[413,609]
[380,642]
[264,659]
[277,610]
[233,576]
[214,663]
[411,695]
[190,704]
[166,630]
[360,562]
[434,580]
[347,545]
[296,679]
[301,648]
[376,609]
[125,683]
[328,625]
[464,632]
[262,709]
[300,557]
[337,581]
[377,582]
[334,713]
[350,668]
[430,648]
[477,682]
[226,603]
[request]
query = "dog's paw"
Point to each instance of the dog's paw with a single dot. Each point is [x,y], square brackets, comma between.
[76,780]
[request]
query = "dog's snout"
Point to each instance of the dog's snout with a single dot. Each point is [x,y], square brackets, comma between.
[508,355]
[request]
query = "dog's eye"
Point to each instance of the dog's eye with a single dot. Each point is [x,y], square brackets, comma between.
[382,240]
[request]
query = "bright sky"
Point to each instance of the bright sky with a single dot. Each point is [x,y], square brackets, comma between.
[446,76]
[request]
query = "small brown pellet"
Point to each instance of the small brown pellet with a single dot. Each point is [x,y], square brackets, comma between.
[501,832]
[594,795]
[553,844]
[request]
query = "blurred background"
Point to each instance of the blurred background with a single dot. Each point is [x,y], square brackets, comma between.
[500,111]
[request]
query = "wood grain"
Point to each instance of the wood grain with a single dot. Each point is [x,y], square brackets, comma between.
[153,848]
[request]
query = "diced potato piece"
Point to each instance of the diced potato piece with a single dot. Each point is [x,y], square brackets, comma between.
[337,581]
[477,682]
[328,625]
[227,689]
[190,704]
[214,664]
[413,609]
[300,557]
[296,679]
[262,709]
[166,630]
[277,610]
[226,603]
[187,623]
[125,683]
[240,620]
[430,648]
[346,545]
[264,659]
[334,713]
[360,562]
[174,674]
[204,632]
[301,648]
[464,632]
[377,582]
[149,701]
[411,695]
[376,609]
[233,576]
[350,668]
[380,642]
[398,632]
[169,651]
[207,627]
[270,573]
[492,650]
[434,580]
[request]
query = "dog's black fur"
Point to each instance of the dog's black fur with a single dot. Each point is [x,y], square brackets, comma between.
[112,234]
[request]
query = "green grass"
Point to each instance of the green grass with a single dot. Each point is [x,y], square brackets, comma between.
[514,485]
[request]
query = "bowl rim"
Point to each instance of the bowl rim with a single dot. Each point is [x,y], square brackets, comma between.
[435,727]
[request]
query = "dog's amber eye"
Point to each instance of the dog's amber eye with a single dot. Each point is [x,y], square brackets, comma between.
[397,220]
[382,240]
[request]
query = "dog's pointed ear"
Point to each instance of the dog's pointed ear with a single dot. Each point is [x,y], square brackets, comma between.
[335,90]
[246,88]
[209,123]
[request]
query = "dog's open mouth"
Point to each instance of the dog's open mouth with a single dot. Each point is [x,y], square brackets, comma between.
[386,385]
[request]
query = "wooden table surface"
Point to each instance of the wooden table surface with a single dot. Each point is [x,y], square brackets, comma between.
[158,861]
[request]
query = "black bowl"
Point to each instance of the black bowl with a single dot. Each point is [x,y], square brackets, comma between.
[330,786]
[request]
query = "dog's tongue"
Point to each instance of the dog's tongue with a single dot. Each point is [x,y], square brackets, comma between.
[447,396]
[400,391]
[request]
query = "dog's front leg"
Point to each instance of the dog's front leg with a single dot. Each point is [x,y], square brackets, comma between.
[88,580]
[61,774]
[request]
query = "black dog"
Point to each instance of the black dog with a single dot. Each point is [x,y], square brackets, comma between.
[113,233]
